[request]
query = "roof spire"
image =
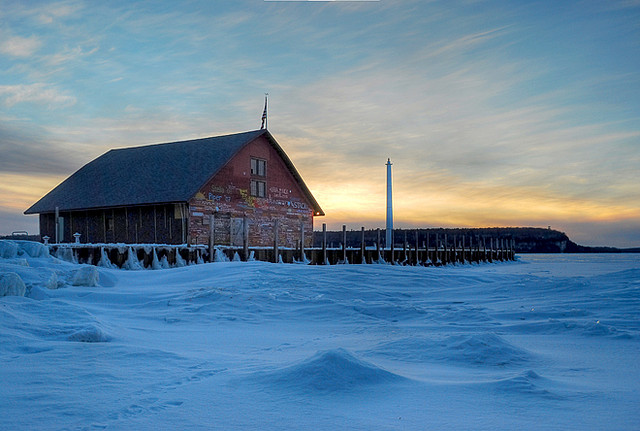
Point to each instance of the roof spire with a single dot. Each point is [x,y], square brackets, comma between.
[264,113]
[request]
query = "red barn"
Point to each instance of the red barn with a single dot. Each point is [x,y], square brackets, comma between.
[170,193]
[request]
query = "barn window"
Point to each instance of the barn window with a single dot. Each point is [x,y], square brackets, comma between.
[258,188]
[259,167]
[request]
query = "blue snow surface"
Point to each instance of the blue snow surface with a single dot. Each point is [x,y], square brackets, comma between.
[547,342]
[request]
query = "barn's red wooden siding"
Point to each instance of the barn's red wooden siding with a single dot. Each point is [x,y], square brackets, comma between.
[227,195]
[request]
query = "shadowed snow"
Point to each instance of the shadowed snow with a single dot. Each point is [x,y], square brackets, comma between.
[329,371]
[530,345]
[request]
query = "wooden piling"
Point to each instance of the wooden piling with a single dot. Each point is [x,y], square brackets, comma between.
[245,238]
[455,249]
[324,244]
[344,243]
[211,237]
[276,251]
[416,259]
[393,248]
[492,251]
[363,259]
[302,256]
[464,257]
[484,245]
[428,260]
[446,249]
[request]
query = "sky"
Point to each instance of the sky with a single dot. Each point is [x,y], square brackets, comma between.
[493,113]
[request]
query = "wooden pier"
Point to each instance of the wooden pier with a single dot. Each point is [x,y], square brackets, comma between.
[436,250]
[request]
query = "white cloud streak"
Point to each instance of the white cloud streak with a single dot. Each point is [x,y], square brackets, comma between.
[21,47]
[38,93]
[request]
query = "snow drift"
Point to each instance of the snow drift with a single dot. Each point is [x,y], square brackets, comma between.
[550,342]
[11,285]
[329,371]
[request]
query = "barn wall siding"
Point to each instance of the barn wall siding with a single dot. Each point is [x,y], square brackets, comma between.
[227,196]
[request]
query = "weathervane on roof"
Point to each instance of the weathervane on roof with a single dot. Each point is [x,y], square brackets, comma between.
[264,113]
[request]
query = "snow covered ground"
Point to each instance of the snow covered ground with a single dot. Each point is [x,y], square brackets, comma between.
[548,342]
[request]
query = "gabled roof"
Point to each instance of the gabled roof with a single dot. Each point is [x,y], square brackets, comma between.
[154,174]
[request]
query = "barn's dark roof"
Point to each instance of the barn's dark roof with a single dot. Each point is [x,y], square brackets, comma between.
[153,174]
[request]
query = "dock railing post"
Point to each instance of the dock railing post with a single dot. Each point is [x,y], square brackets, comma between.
[302,256]
[464,257]
[276,251]
[484,245]
[492,252]
[455,249]
[245,238]
[212,220]
[507,249]
[446,249]
[476,249]
[505,246]
[417,257]
[344,243]
[404,246]
[324,244]
[472,250]
[57,223]
[427,260]
[362,246]
[393,248]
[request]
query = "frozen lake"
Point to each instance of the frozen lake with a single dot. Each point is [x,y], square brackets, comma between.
[548,342]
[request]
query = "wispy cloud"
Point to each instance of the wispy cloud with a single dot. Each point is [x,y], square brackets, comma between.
[67,55]
[42,12]
[21,47]
[623,4]
[29,150]
[38,93]
[50,13]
